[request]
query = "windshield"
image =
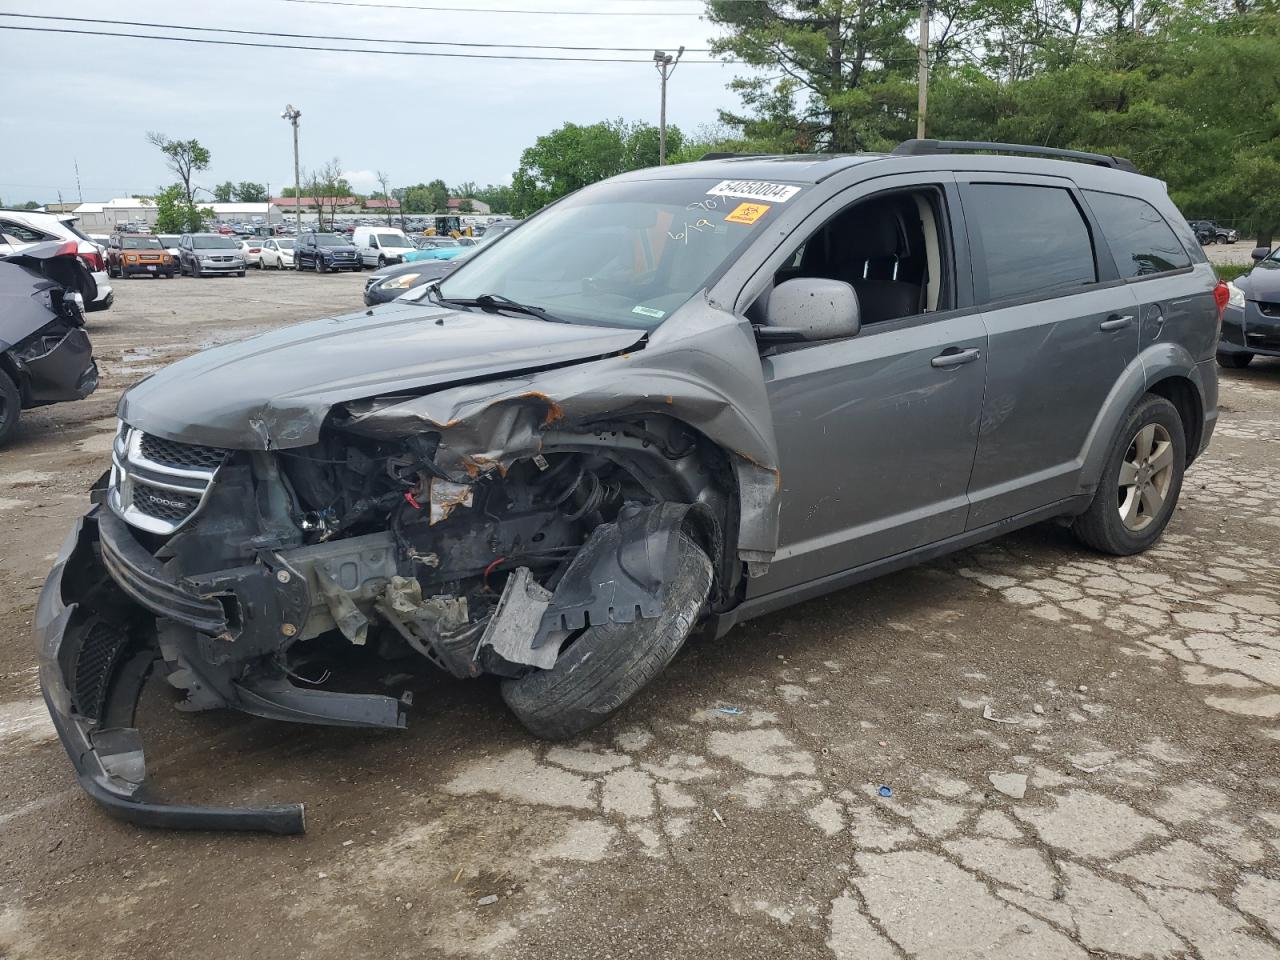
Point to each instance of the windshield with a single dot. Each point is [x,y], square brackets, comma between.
[214,243]
[329,240]
[393,240]
[285,244]
[169,240]
[623,254]
[139,243]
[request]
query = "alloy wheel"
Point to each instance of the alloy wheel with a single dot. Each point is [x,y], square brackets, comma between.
[1146,473]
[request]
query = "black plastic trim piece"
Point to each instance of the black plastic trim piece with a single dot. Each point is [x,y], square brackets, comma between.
[929,148]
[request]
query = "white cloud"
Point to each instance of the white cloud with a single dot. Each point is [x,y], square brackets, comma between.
[362,181]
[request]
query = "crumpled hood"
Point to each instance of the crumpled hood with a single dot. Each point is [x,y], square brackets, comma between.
[275,390]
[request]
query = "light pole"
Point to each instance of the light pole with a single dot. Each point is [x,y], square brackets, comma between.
[292,113]
[922,54]
[666,65]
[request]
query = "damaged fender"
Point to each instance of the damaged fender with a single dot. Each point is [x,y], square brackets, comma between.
[704,371]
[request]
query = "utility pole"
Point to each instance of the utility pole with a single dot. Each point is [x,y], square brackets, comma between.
[79,192]
[666,65]
[922,50]
[292,113]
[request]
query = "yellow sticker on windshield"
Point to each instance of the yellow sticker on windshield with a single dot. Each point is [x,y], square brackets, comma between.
[747,213]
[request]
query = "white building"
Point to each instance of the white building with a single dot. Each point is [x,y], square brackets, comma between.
[103,217]
[245,212]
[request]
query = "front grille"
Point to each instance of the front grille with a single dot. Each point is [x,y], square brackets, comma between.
[164,505]
[99,652]
[191,456]
[159,484]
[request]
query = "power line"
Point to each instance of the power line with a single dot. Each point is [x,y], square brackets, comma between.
[504,10]
[379,53]
[321,36]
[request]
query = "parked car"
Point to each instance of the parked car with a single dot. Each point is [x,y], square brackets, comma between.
[1251,322]
[251,250]
[683,396]
[277,254]
[379,246]
[391,282]
[203,254]
[131,255]
[170,242]
[21,229]
[434,248]
[45,354]
[1209,232]
[325,251]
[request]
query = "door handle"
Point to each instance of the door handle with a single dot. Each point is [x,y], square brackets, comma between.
[1116,322]
[954,357]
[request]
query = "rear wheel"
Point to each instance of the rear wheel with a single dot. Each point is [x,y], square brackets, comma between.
[606,665]
[1235,361]
[1140,482]
[319,266]
[240,273]
[10,407]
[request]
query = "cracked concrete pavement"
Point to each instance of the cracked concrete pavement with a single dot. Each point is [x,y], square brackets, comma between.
[1080,754]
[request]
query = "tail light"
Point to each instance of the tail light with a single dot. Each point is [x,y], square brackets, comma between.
[93,261]
[68,249]
[1221,295]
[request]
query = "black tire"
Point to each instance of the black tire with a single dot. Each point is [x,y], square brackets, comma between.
[1101,527]
[607,665]
[240,274]
[1235,361]
[168,274]
[10,407]
[382,261]
[318,265]
[195,270]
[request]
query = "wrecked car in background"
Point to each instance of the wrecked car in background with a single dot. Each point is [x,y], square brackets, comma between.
[45,354]
[683,396]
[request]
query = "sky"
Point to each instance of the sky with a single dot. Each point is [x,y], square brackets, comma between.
[92,99]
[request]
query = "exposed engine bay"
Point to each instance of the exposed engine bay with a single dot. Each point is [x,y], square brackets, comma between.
[251,577]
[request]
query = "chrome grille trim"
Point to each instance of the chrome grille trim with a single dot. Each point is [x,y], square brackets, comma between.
[152,495]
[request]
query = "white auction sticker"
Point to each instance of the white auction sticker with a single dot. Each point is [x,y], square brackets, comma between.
[754,190]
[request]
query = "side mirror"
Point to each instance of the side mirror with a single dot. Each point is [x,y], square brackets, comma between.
[813,308]
[1260,253]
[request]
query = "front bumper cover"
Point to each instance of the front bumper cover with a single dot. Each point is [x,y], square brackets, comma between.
[108,759]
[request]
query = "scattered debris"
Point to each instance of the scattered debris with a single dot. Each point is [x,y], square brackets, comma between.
[1093,769]
[322,875]
[487,901]
[1010,784]
[1037,709]
[988,715]
[1082,688]
[716,813]
[886,791]
[731,711]
[347,843]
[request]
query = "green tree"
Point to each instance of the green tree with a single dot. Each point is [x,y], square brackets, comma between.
[249,192]
[329,188]
[848,71]
[224,192]
[174,214]
[564,160]
[498,196]
[185,158]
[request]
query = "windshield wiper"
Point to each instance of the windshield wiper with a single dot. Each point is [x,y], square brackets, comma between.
[492,303]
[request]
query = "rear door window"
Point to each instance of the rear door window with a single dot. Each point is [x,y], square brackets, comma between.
[1034,240]
[1141,242]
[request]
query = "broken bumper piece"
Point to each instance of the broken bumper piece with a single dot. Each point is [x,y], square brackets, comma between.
[105,751]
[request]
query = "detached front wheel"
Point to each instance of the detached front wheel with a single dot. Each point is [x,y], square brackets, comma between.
[10,407]
[605,666]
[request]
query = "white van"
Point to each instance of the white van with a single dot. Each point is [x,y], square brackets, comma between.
[379,246]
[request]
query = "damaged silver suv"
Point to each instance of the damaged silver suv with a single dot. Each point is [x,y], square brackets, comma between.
[685,396]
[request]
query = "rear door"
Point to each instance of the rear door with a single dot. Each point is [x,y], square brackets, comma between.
[1174,304]
[1062,327]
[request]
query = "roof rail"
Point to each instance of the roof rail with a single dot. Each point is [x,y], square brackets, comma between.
[921,148]
[729,155]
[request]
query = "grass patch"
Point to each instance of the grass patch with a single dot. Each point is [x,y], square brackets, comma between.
[1229,271]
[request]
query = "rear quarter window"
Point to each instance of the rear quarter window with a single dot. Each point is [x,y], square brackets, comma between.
[1034,240]
[1142,242]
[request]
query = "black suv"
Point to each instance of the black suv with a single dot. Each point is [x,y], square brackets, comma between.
[325,251]
[1209,232]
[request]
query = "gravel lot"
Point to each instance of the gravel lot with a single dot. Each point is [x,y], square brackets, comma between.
[1119,798]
